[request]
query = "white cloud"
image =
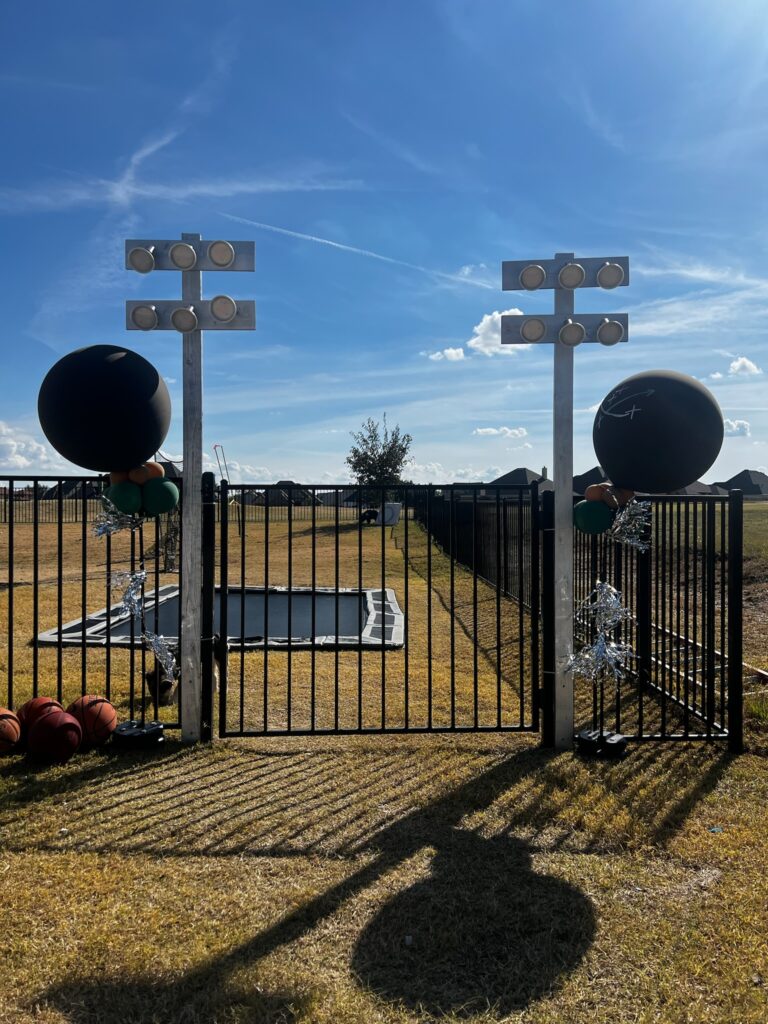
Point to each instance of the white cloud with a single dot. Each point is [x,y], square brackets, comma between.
[19,452]
[716,375]
[743,367]
[520,447]
[737,428]
[435,472]
[486,337]
[501,431]
[453,355]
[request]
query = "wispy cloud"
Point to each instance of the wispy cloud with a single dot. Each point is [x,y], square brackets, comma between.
[500,432]
[597,122]
[392,146]
[437,274]
[452,355]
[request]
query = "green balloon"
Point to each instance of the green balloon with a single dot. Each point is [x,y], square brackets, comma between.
[159,495]
[592,516]
[125,496]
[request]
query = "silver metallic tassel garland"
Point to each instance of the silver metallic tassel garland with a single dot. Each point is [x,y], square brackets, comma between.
[632,525]
[110,520]
[604,656]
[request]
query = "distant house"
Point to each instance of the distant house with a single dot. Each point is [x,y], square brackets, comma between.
[753,483]
[697,488]
[522,477]
[280,495]
[582,481]
[72,489]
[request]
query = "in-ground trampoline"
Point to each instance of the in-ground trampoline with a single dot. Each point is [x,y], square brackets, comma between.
[256,618]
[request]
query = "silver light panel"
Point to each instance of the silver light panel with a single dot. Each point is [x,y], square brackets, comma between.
[243,320]
[512,325]
[244,253]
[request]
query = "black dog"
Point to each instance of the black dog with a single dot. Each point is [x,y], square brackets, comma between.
[369,515]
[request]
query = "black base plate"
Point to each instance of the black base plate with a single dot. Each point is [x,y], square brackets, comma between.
[135,736]
[593,743]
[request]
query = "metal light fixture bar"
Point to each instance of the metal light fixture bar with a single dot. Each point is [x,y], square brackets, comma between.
[593,267]
[146,254]
[243,320]
[545,328]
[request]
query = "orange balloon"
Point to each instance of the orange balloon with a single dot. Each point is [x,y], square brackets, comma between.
[118,476]
[596,492]
[147,471]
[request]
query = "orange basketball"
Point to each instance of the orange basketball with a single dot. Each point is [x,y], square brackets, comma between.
[147,471]
[54,737]
[118,476]
[29,713]
[97,718]
[10,730]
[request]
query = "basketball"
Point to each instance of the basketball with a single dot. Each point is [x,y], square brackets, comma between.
[10,731]
[105,408]
[97,718]
[54,737]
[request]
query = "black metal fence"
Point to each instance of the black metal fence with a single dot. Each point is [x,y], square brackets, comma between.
[450,605]
[685,681]
[362,623]
[55,571]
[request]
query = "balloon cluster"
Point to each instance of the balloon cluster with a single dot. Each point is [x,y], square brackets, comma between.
[595,514]
[52,735]
[142,491]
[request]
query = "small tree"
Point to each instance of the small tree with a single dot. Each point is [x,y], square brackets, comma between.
[377,458]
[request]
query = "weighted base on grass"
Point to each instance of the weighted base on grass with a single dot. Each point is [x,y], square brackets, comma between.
[593,743]
[135,736]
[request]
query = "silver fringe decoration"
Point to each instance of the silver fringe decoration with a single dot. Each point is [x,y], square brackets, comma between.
[133,605]
[162,651]
[632,525]
[604,656]
[110,519]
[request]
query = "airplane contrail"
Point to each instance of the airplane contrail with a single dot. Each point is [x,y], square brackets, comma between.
[455,278]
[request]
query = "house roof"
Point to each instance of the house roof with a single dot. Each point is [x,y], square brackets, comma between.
[520,477]
[750,481]
[582,481]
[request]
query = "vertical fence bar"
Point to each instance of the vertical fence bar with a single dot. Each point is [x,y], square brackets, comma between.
[644,627]
[711,619]
[336,620]
[548,620]
[499,564]
[520,607]
[35,584]
[430,501]
[84,584]
[243,536]
[208,538]
[224,602]
[360,589]
[475,706]
[383,607]
[452,555]
[735,608]
[313,613]
[267,493]
[534,583]
[406,664]
[11,585]
[289,650]
[59,586]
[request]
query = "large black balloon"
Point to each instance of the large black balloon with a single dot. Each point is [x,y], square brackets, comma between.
[657,431]
[104,408]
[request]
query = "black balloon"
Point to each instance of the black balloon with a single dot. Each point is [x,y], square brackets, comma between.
[657,431]
[104,408]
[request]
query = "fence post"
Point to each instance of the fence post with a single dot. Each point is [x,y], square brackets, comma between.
[535,590]
[643,639]
[735,600]
[548,620]
[208,598]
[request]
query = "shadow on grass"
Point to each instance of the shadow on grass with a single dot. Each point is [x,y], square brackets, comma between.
[485,929]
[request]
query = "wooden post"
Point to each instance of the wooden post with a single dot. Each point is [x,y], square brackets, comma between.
[191,515]
[563,548]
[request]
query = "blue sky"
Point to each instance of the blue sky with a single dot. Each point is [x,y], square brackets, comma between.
[386,158]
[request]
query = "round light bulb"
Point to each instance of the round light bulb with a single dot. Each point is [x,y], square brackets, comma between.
[184,319]
[144,317]
[610,332]
[572,333]
[223,308]
[533,329]
[142,259]
[221,254]
[571,276]
[532,277]
[183,256]
[610,275]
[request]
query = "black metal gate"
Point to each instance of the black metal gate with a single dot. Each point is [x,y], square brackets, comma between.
[370,610]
